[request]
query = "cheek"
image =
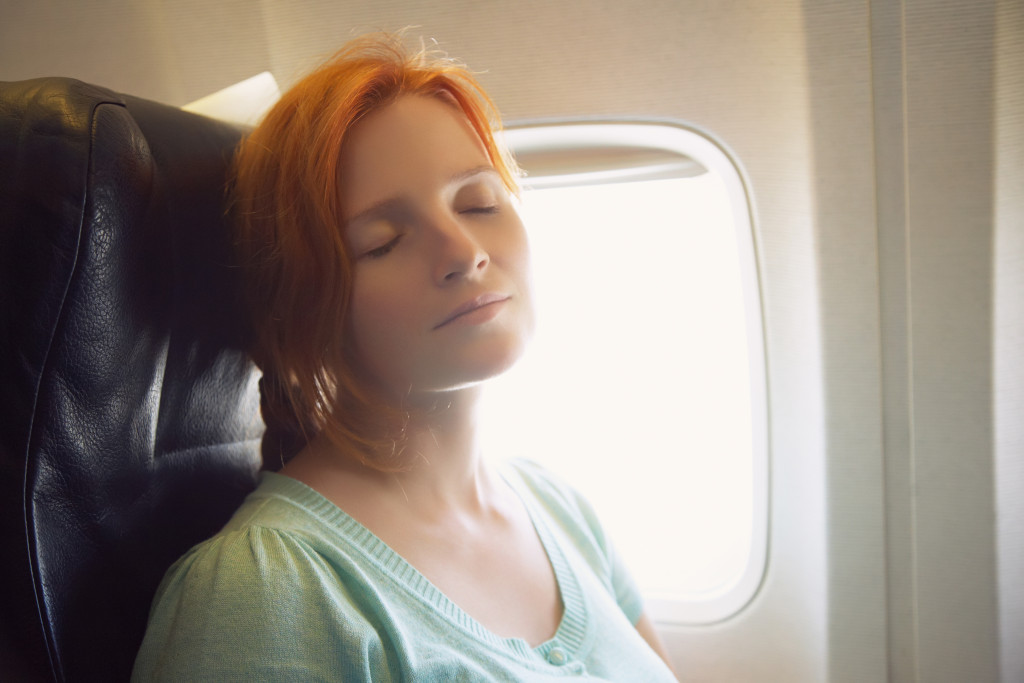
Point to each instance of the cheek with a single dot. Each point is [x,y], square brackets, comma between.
[512,255]
[382,316]
[519,263]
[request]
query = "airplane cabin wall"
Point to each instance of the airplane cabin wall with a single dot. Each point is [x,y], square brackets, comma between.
[882,142]
[931,525]
[937,87]
[1008,327]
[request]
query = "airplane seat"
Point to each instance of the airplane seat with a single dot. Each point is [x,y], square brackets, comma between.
[130,412]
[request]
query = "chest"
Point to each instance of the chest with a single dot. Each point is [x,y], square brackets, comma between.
[498,573]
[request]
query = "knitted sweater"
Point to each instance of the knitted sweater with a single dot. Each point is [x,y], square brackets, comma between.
[294,589]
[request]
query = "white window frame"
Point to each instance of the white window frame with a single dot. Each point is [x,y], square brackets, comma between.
[655,150]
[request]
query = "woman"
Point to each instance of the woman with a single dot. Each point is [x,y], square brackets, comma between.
[389,277]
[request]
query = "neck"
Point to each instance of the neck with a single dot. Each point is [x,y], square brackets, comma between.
[446,471]
[444,449]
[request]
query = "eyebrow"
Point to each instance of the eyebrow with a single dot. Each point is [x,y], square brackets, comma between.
[386,205]
[465,175]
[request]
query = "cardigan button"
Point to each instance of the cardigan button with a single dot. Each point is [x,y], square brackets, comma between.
[557,656]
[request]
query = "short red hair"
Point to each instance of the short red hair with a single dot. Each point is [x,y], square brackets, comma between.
[298,270]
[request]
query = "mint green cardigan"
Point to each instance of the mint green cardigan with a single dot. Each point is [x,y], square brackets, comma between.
[293,589]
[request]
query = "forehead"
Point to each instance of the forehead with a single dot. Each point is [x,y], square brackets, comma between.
[411,146]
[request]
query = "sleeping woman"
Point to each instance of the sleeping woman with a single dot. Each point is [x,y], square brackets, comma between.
[388,278]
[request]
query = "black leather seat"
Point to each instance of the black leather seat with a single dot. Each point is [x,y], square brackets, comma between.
[129,414]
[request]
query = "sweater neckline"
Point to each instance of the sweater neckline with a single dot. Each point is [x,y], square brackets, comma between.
[572,628]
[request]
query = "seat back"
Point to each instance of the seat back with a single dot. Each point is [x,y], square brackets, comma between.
[129,412]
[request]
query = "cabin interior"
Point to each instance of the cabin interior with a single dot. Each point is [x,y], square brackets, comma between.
[880,147]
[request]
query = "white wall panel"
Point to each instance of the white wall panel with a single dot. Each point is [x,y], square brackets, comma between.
[948,91]
[839,56]
[1008,326]
[169,51]
[890,205]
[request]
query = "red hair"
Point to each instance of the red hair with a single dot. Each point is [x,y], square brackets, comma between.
[298,270]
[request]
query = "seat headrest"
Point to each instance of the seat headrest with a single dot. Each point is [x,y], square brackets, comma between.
[131,411]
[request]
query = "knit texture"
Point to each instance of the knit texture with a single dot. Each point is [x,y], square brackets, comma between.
[293,589]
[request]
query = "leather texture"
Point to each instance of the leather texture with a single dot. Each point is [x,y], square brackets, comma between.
[130,412]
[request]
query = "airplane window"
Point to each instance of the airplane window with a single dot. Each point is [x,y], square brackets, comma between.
[645,384]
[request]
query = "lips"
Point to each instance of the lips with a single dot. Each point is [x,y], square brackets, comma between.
[474,304]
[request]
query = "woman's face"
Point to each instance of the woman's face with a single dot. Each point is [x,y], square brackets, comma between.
[441,289]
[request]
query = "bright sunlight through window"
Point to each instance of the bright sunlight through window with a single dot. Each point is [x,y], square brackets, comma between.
[644,384]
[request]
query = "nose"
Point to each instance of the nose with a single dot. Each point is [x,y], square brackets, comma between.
[460,254]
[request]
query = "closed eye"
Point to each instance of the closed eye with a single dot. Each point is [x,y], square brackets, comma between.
[480,210]
[382,250]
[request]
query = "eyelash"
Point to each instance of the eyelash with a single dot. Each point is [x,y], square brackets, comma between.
[481,210]
[382,250]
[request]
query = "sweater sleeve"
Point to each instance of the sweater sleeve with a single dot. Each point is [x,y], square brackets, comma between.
[627,593]
[257,604]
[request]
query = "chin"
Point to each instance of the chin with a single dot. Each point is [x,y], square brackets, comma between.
[472,371]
